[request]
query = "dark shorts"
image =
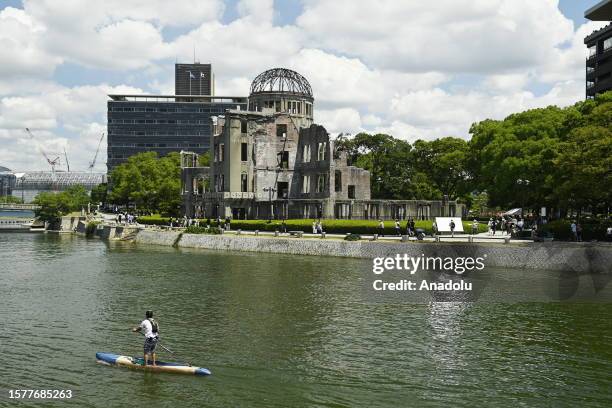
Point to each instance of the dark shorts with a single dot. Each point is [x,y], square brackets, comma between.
[149,345]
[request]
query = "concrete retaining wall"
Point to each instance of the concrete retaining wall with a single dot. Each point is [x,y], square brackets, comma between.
[157,237]
[550,256]
[70,223]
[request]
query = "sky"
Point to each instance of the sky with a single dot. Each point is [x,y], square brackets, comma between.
[412,69]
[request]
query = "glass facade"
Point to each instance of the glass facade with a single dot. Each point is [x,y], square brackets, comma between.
[163,126]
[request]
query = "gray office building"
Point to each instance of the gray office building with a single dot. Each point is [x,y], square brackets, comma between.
[599,44]
[162,123]
[194,79]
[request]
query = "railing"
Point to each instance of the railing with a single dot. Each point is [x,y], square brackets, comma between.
[8,206]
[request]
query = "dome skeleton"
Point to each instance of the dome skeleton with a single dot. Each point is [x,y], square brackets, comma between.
[281,80]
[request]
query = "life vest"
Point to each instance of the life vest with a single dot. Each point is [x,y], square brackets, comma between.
[154,325]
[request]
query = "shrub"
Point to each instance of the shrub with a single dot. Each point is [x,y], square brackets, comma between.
[153,220]
[352,237]
[202,230]
[561,229]
[90,229]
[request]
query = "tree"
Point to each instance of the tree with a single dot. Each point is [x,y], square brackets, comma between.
[99,193]
[150,183]
[549,157]
[583,169]
[9,199]
[387,160]
[54,205]
[443,161]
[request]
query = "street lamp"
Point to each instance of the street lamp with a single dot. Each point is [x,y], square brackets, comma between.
[523,182]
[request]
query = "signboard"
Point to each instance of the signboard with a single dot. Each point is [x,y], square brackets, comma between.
[444,224]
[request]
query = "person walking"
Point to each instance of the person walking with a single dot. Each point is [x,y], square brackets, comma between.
[579,232]
[314,226]
[150,329]
[413,227]
[475,227]
[452,228]
[398,228]
[574,231]
[381,228]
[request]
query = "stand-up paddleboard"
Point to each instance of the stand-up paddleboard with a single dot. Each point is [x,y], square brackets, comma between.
[161,367]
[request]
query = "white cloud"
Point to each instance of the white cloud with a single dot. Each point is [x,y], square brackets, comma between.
[70,118]
[344,120]
[20,51]
[448,35]
[114,34]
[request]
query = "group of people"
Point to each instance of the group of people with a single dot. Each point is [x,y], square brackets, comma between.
[188,222]
[410,227]
[317,227]
[125,218]
[576,229]
[507,225]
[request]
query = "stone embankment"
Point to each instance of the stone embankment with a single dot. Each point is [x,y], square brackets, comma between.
[590,257]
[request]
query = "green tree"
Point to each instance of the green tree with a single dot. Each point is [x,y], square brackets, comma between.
[443,161]
[387,160]
[54,205]
[99,193]
[513,159]
[150,183]
[583,169]
[9,199]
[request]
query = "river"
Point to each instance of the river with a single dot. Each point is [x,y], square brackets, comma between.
[279,331]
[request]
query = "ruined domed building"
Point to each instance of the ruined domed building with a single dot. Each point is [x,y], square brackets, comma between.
[273,161]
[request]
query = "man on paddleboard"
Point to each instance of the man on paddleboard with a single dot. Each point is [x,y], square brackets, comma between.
[150,329]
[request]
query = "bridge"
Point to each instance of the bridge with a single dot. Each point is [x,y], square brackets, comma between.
[18,207]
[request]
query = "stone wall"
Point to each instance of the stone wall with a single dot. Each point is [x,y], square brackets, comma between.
[548,256]
[166,238]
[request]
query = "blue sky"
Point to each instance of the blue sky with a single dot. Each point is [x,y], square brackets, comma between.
[369,65]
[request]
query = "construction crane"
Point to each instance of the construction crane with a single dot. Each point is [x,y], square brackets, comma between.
[67,164]
[53,162]
[93,162]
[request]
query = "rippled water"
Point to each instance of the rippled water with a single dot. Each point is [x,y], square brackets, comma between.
[279,331]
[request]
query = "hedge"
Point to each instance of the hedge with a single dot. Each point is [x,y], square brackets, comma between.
[561,229]
[305,225]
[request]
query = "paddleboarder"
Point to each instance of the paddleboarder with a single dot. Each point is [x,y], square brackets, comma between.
[150,329]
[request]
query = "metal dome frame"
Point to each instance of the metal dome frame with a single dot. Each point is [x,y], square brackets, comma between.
[281,80]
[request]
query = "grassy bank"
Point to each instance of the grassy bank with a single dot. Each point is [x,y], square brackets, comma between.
[305,225]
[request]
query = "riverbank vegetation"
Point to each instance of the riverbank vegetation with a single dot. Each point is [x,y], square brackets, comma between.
[149,183]
[9,199]
[54,205]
